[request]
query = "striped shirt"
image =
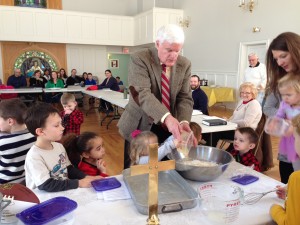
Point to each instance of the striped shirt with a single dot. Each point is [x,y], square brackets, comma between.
[13,150]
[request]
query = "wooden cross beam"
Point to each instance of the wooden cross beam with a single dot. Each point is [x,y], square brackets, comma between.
[152,168]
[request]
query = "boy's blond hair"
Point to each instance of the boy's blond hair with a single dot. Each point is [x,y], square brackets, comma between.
[290,80]
[67,97]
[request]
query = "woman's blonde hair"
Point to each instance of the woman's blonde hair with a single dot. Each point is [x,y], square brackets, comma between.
[140,145]
[290,80]
[296,123]
[252,87]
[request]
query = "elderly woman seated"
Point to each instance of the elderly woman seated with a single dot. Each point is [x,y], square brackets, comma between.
[247,113]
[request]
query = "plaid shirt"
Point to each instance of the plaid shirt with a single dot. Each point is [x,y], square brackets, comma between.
[247,159]
[72,121]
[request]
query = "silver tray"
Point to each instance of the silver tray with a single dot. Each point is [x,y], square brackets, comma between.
[174,193]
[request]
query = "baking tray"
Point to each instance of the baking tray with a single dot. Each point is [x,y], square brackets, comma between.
[174,193]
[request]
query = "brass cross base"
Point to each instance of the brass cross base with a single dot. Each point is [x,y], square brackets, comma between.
[153,220]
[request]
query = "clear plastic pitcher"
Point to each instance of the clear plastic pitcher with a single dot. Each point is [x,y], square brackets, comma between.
[220,202]
[187,139]
[276,126]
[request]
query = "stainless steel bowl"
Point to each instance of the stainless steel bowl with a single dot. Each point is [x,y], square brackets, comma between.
[204,153]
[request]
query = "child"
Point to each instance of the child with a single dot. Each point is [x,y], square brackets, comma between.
[289,88]
[15,141]
[47,165]
[86,152]
[197,131]
[291,213]
[245,140]
[139,146]
[72,118]
[90,80]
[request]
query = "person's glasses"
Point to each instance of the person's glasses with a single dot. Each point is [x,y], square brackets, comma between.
[245,93]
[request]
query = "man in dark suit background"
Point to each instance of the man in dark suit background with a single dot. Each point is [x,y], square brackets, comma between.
[145,110]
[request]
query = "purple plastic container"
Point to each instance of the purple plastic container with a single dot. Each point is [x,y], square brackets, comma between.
[106,184]
[47,211]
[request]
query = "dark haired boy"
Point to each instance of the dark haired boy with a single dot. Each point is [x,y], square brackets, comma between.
[15,141]
[47,165]
[245,140]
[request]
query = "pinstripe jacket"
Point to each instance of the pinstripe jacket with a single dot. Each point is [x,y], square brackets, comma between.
[144,79]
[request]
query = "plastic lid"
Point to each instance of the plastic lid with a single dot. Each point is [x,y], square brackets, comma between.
[106,184]
[276,126]
[47,211]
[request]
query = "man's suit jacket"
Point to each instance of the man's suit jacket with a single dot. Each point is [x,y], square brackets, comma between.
[144,79]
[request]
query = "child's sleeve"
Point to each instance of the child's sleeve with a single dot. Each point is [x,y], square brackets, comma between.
[278,214]
[74,173]
[52,185]
[281,111]
[166,148]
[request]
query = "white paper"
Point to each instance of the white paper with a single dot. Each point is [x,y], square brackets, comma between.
[117,194]
[196,112]
[211,118]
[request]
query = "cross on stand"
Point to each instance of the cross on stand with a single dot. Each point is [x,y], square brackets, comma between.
[153,167]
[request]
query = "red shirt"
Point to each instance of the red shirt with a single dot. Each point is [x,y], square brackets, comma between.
[72,122]
[247,159]
[90,169]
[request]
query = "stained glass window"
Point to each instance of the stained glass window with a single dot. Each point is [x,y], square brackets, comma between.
[32,60]
[31,3]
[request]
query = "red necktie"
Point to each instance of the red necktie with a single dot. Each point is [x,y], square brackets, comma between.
[165,88]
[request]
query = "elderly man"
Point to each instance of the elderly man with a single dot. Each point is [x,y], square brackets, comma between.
[158,79]
[17,80]
[256,73]
[74,79]
[199,96]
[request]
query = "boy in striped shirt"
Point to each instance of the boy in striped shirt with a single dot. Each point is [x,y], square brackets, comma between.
[15,141]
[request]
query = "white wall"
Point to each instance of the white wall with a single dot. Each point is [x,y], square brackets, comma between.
[113,7]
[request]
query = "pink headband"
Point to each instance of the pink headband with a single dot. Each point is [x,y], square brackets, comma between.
[135,133]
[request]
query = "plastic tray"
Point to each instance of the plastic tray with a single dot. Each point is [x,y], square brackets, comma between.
[245,179]
[47,211]
[106,184]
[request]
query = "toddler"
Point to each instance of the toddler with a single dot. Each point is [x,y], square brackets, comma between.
[245,140]
[290,214]
[47,166]
[139,146]
[72,118]
[15,141]
[86,152]
[289,88]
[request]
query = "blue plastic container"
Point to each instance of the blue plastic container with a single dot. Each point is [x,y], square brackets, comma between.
[106,184]
[47,211]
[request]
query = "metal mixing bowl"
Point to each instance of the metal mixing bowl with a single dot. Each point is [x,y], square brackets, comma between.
[203,153]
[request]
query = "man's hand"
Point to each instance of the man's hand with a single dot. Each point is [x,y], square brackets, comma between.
[173,126]
[186,127]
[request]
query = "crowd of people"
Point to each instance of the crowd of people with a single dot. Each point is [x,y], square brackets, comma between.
[53,155]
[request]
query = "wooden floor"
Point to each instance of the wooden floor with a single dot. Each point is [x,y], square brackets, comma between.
[114,143]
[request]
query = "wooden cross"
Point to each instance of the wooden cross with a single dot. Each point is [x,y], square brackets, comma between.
[153,167]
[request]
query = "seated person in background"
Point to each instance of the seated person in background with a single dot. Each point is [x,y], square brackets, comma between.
[17,80]
[119,81]
[90,80]
[47,75]
[290,213]
[15,141]
[72,118]
[47,166]
[54,82]
[199,96]
[86,152]
[37,80]
[139,146]
[84,76]
[247,113]
[74,79]
[245,140]
[63,74]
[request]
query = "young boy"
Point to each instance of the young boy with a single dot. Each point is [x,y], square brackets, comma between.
[245,140]
[15,141]
[47,165]
[72,118]
[90,80]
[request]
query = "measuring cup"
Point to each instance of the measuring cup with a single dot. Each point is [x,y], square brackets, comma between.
[186,144]
[220,202]
[276,126]
[3,203]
